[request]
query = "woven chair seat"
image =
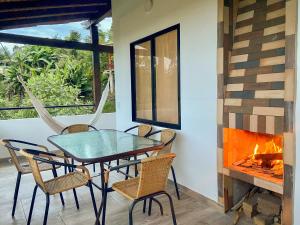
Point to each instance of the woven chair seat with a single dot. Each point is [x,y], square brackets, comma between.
[58,152]
[42,166]
[66,182]
[127,188]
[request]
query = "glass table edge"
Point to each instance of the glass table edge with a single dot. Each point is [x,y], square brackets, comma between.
[112,157]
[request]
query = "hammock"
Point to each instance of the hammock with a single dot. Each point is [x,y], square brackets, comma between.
[57,126]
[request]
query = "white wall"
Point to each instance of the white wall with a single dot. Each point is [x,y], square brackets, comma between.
[35,130]
[196,165]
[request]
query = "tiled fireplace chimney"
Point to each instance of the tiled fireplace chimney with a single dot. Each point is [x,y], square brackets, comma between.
[256,90]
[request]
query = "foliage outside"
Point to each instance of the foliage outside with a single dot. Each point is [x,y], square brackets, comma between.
[55,76]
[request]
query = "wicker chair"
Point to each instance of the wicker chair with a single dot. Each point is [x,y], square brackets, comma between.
[167,137]
[77,128]
[23,167]
[150,183]
[142,130]
[79,177]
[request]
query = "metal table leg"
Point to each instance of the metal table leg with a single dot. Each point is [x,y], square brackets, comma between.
[104,194]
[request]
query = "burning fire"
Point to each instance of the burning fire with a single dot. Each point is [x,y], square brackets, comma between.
[267,156]
[254,153]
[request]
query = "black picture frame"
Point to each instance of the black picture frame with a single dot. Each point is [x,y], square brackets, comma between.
[151,38]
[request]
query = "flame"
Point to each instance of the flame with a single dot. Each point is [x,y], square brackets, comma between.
[246,149]
[255,152]
[269,147]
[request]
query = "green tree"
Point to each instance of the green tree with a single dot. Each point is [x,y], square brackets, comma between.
[55,76]
[28,61]
[73,36]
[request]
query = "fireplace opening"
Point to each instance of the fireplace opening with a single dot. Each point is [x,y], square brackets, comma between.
[256,154]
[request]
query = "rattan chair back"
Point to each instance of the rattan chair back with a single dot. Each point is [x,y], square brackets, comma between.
[35,169]
[12,152]
[144,130]
[154,174]
[76,128]
[167,137]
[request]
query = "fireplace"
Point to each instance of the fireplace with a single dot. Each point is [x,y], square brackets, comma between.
[255,154]
[254,167]
[256,75]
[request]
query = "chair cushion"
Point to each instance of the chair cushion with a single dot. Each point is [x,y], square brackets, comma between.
[66,182]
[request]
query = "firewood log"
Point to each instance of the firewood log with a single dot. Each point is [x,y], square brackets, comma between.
[269,157]
[262,220]
[269,205]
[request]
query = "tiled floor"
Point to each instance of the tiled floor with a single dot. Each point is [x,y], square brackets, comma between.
[189,210]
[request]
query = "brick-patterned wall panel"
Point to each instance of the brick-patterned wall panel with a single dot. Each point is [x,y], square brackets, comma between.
[257,81]
[255,85]
[289,118]
[223,29]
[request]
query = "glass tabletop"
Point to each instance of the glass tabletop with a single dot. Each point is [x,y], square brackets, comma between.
[103,145]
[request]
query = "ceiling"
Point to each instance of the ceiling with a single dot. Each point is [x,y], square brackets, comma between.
[28,13]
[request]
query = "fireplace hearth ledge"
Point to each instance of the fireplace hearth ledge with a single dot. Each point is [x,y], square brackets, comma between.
[275,185]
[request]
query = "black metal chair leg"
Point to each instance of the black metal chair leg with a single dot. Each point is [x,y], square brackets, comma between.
[118,163]
[144,205]
[76,199]
[16,194]
[62,199]
[66,169]
[32,205]
[172,208]
[131,211]
[136,172]
[150,207]
[93,197]
[160,206]
[127,171]
[60,194]
[94,167]
[73,162]
[175,182]
[47,209]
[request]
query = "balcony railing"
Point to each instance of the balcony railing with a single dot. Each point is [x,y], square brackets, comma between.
[47,107]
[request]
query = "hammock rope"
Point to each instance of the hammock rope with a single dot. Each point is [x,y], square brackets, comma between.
[43,113]
[54,124]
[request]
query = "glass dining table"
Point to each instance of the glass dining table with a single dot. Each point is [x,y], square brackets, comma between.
[103,146]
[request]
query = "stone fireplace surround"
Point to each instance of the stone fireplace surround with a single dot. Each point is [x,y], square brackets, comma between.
[256,86]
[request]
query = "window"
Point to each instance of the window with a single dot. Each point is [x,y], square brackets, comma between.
[155,78]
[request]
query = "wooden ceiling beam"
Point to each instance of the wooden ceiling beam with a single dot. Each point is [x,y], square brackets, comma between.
[108,13]
[42,23]
[46,21]
[56,43]
[99,19]
[48,4]
[29,14]
[47,16]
